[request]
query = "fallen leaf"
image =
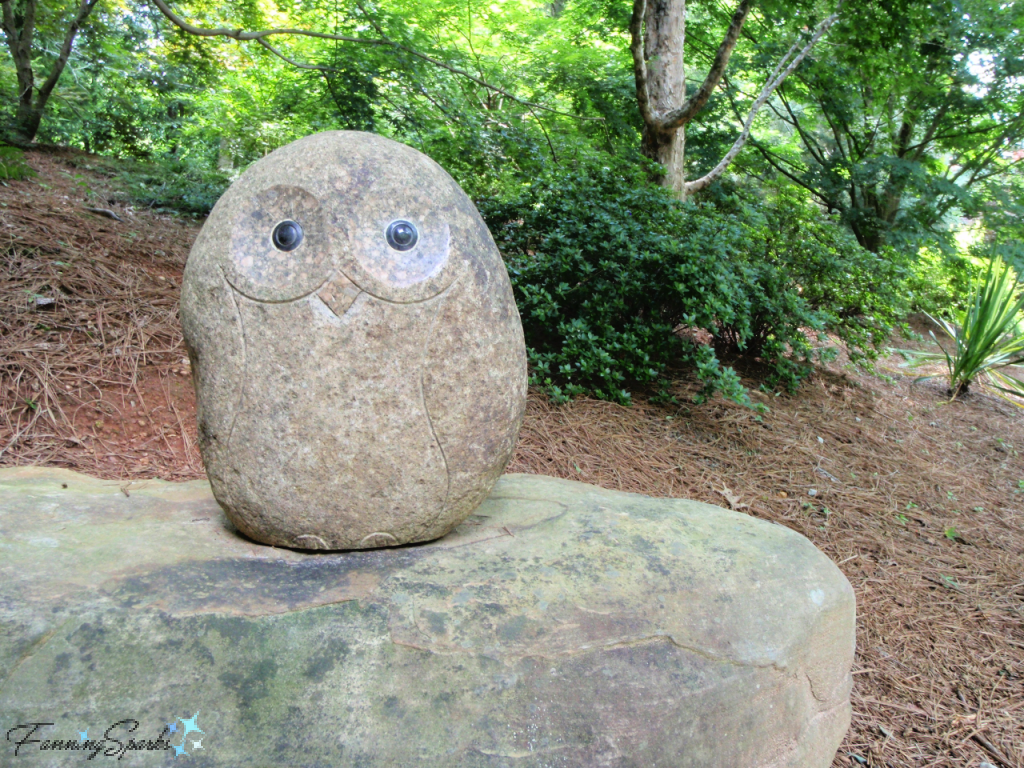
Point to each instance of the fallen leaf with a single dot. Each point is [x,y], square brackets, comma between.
[732,498]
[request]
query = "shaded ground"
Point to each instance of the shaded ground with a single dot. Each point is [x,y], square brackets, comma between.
[93,374]
[920,502]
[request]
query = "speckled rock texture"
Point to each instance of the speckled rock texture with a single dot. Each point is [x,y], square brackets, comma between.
[559,625]
[353,391]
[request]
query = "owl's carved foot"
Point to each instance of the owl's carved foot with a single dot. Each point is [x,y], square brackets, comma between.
[309,541]
[378,539]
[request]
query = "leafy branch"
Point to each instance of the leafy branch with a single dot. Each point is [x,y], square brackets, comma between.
[382,40]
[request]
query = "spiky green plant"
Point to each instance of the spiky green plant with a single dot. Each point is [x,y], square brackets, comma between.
[988,339]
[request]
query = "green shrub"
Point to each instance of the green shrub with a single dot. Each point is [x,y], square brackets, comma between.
[614,279]
[169,184]
[607,270]
[13,166]
[173,185]
[861,295]
[941,282]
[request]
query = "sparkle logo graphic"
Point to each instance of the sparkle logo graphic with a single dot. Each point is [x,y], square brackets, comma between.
[188,727]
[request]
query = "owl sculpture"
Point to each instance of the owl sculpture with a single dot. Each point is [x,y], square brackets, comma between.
[357,355]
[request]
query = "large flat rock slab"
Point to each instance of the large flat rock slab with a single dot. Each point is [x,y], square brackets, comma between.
[560,625]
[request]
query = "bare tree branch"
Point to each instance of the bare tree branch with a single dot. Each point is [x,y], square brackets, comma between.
[971,132]
[65,50]
[919,148]
[301,65]
[1001,169]
[812,146]
[988,155]
[695,103]
[775,161]
[636,48]
[789,62]
[242,35]
[449,117]
[554,155]
[853,146]
[382,40]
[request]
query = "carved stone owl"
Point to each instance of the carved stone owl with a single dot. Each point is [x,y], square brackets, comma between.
[358,359]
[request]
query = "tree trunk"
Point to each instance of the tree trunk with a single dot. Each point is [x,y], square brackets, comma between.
[872,214]
[668,149]
[225,163]
[26,122]
[556,7]
[657,32]
[870,239]
[19,28]
[665,33]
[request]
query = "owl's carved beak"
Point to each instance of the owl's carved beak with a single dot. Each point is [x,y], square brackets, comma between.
[339,293]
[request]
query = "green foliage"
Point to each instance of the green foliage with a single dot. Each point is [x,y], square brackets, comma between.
[165,184]
[988,337]
[172,185]
[859,296]
[604,270]
[177,186]
[137,87]
[940,282]
[13,165]
[906,121]
[909,117]
[616,281]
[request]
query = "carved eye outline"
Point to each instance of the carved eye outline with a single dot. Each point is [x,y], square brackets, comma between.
[287,235]
[402,235]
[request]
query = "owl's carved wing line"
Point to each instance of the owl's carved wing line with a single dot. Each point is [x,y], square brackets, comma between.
[245,357]
[423,398]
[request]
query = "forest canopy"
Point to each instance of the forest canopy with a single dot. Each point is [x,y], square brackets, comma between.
[862,155]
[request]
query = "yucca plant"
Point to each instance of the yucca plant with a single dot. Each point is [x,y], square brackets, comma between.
[988,339]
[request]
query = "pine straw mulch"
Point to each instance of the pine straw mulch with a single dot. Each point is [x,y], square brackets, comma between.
[91,355]
[919,501]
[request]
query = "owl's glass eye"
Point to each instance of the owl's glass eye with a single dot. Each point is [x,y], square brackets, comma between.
[402,235]
[287,235]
